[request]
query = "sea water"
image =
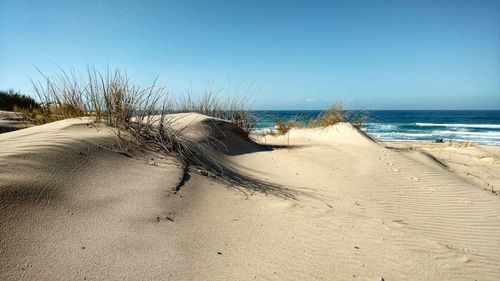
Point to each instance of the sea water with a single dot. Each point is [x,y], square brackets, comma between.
[482,127]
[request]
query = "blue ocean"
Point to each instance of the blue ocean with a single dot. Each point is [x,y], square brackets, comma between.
[482,127]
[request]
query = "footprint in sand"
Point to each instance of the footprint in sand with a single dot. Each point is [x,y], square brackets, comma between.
[390,164]
[415,179]
[394,170]
[457,249]
[458,253]
[464,201]
[399,223]
[464,259]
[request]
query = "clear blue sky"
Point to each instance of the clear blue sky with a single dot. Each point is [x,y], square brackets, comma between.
[289,54]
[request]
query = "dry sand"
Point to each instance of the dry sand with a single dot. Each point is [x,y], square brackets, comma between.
[478,164]
[77,203]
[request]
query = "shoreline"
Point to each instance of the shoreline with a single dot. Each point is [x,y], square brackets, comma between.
[273,131]
[481,127]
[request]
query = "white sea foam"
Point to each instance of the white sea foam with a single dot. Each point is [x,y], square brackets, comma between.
[261,131]
[402,134]
[380,126]
[489,134]
[477,141]
[456,132]
[434,134]
[484,126]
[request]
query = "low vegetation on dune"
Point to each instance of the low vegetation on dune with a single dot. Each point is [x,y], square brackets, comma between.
[233,109]
[338,114]
[113,98]
[109,97]
[331,116]
[283,127]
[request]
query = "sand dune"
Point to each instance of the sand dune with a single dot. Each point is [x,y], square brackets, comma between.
[77,203]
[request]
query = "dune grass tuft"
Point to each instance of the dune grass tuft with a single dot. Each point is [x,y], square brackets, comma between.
[337,114]
[109,97]
[234,109]
[282,127]
[333,115]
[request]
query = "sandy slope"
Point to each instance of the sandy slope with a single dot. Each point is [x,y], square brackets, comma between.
[336,207]
[74,207]
[478,164]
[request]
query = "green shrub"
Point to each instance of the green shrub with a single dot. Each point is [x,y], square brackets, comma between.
[11,99]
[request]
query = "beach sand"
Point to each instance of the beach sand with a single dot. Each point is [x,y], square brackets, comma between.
[477,164]
[79,203]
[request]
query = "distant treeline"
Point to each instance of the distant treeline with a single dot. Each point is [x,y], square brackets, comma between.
[11,99]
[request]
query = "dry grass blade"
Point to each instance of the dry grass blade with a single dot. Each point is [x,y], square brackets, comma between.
[333,115]
[235,109]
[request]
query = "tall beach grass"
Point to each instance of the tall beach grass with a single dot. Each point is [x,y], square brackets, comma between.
[112,98]
[235,109]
